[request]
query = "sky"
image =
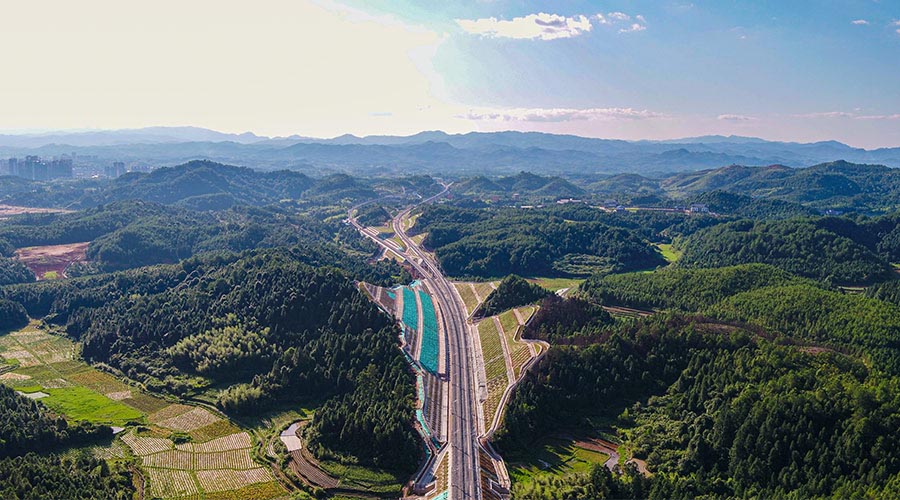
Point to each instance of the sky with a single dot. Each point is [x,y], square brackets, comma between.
[626,69]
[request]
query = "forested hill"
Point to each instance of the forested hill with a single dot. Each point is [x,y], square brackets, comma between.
[716,413]
[130,234]
[494,243]
[264,327]
[523,184]
[841,250]
[835,185]
[200,185]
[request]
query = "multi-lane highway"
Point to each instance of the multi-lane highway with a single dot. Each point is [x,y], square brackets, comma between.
[465,474]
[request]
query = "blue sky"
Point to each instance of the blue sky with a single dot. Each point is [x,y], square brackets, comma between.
[790,70]
[629,69]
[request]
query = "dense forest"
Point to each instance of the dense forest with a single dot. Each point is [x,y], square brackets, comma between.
[266,325]
[689,290]
[492,243]
[78,477]
[13,271]
[733,415]
[513,291]
[825,249]
[868,326]
[561,320]
[25,425]
[12,315]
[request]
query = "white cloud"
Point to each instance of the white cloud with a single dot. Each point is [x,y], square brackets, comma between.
[624,20]
[559,114]
[895,116]
[859,22]
[633,28]
[541,26]
[735,118]
[825,114]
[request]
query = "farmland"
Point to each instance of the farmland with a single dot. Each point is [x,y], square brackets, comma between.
[212,458]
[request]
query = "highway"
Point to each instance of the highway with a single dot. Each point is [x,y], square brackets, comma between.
[465,474]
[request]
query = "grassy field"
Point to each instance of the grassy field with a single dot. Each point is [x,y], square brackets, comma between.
[669,253]
[418,238]
[509,322]
[396,239]
[555,458]
[369,479]
[554,284]
[468,296]
[81,403]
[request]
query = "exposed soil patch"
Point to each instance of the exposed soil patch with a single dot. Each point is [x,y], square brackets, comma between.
[7,211]
[50,262]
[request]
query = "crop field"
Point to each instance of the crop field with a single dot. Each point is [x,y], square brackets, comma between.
[224,480]
[45,363]
[368,479]
[519,351]
[509,321]
[495,389]
[214,430]
[170,483]
[235,441]
[419,238]
[81,403]
[220,465]
[190,420]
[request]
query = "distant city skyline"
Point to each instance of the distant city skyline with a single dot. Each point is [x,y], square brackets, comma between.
[631,69]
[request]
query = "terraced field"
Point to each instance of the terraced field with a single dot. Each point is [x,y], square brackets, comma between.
[215,466]
[214,463]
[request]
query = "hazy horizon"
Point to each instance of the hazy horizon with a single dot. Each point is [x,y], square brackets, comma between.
[74,131]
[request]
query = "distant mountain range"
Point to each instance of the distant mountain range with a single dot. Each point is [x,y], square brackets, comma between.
[440,153]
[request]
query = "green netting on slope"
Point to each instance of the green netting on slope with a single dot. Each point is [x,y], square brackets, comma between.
[410,310]
[429,356]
